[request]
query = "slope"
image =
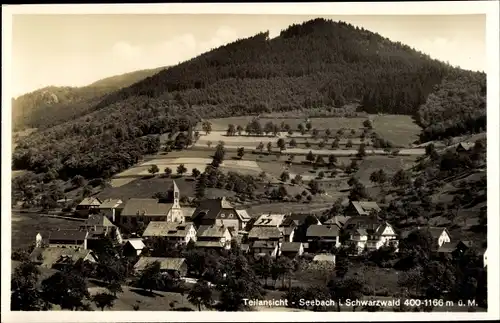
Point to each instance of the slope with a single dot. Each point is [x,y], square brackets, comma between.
[52,105]
[316,63]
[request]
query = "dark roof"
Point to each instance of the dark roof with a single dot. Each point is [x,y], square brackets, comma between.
[365,207]
[264,244]
[436,232]
[98,220]
[68,235]
[145,207]
[110,203]
[339,220]
[323,231]
[211,208]
[290,246]
[211,231]
[363,221]
[297,219]
[264,233]
[448,247]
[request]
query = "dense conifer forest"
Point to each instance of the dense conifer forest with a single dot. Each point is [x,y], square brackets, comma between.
[314,64]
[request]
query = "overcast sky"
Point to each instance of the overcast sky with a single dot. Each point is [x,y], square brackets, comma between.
[76,50]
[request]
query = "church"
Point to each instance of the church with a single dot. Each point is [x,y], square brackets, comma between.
[138,210]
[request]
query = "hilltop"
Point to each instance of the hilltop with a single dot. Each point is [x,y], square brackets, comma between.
[52,105]
[319,63]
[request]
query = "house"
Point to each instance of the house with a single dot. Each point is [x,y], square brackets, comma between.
[179,233]
[292,249]
[269,220]
[111,208]
[455,248]
[262,248]
[213,236]
[293,221]
[58,258]
[133,247]
[245,247]
[176,267]
[359,208]
[218,212]
[244,217]
[323,236]
[87,205]
[440,236]
[464,147]
[324,257]
[75,239]
[99,226]
[370,232]
[338,220]
[265,233]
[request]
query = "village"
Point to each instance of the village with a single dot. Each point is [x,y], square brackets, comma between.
[215,225]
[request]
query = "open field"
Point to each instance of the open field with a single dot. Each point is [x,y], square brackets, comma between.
[399,129]
[160,301]
[26,226]
[390,165]
[332,123]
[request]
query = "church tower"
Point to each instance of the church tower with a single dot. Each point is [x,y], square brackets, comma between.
[176,211]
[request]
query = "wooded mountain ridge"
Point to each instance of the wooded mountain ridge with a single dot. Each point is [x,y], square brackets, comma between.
[52,105]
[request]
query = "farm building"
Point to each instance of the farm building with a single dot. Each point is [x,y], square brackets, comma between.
[87,205]
[213,236]
[265,234]
[58,258]
[69,238]
[111,208]
[179,233]
[357,208]
[323,236]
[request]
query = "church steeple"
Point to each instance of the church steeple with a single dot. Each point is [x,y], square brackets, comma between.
[177,193]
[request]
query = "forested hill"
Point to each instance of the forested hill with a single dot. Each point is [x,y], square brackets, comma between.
[52,105]
[317,63]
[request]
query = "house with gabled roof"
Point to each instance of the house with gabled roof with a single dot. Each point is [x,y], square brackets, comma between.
[87,205]
[178,233]
[292,249]
[58,258]
[176,267]
[265,233]
[292,221]
[213,236]
[133,247]
[218,212]
[99,227]
[244,218]
[463,147]
[338,220]
[323,236]
[440,235]
[111,208]
[359,208]
[269,220]
[68,238]
[455,248]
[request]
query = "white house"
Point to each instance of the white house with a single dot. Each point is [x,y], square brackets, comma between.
[440,235]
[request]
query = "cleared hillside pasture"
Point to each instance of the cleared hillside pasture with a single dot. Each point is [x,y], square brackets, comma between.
[147,187]
[390,165]
[398,129]
[333,123]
